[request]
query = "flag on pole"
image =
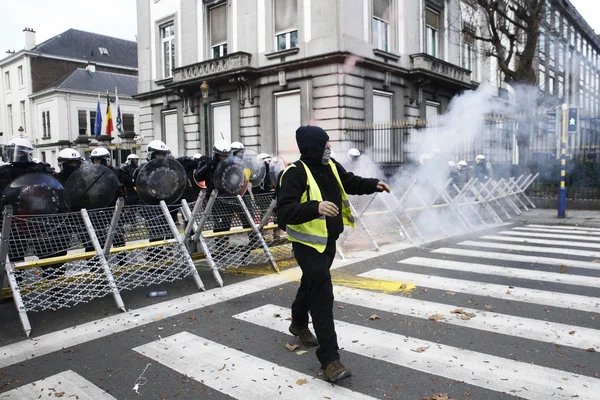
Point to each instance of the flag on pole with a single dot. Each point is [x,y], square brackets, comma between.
[119,116]
[109,121]
[98,121]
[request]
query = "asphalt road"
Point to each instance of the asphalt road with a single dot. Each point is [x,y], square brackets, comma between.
[507,313]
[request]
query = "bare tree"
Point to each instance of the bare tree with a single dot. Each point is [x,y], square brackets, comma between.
[508,31]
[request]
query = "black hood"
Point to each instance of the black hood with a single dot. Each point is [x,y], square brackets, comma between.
[311,142]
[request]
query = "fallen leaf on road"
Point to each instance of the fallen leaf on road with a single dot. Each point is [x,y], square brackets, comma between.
[436,317]
[596,261]
[451,293]
[276,315]
[463,314]
[320,372]
[419,349]
[301,352]
[403,286]
[508,292]
[489,308]
[289,319]
[572,333]
[59,394]
[340,307]
[374,317]
[438,396]
[291,347]
[223,367]
[301,382]
[511,287]
[591,350]
[457,311]
[465,318]
[563,269]
[355,341]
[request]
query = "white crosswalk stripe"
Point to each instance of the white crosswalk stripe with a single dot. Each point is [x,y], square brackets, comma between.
[542,297]
[518,258]
[491,372]
[544,331]
[532,249]
[574,228]
[504,271]
[567,231]
[550,236]
[542,241]
[238,374]
[66,385]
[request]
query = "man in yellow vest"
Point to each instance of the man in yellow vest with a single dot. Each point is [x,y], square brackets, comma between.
[313,207]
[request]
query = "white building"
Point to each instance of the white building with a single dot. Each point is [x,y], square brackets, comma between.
[45,89]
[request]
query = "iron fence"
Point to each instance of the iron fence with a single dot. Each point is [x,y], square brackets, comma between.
[512,145]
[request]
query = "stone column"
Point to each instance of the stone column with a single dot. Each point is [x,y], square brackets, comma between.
[127,140]
[104,140]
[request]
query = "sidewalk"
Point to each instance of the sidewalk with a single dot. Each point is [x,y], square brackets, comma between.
[548,217]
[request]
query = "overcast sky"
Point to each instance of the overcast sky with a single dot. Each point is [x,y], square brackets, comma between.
[116,18]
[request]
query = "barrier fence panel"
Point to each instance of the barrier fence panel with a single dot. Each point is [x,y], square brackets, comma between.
[41,275]
[147,248]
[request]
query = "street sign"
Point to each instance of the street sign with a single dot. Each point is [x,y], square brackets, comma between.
[572,120]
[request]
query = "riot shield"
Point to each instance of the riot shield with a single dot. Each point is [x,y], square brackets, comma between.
[276,166]
[161,179]
[229,176]
[91,186]
[34,194]
[254,167]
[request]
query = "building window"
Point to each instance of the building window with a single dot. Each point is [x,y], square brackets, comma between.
[167,38]
[382,142]
[548,14]
[287,120]
[286,23]
[23,115]
[381,24]
[561,86]
[82,122]
[7,80]
[572,36]
[92,123]
[218,31]
[561,57]
[46,125]
[468,53]
[9,114]
[557,21]
[432,20]
[542,42]
[432,112]
[551,84]
[542,78]
[20,76]
[43,156]
[128,123]
[551,52]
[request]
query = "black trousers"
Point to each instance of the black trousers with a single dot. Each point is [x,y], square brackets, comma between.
[315,295]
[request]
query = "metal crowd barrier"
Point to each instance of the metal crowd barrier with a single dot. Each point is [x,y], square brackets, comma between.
[61,260]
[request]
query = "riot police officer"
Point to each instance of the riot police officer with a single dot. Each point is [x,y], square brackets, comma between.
[127,171]
[238,149]
[101,156]
[69,160]
[191,164]
[18,158]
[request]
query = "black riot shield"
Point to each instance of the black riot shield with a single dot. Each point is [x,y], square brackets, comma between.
[161,179]
[229,176]
[34,194]
[91,186]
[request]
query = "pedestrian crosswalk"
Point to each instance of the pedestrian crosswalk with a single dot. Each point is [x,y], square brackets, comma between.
[487,313]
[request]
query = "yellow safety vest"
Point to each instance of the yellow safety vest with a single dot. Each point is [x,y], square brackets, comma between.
[314,233]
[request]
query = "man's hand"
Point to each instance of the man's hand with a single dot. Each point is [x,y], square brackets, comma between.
[382,186]
[328,209]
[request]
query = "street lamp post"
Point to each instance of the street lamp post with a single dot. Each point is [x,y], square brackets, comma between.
[204,88]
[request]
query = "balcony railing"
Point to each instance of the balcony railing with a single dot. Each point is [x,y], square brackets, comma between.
[230,63]
[427,63]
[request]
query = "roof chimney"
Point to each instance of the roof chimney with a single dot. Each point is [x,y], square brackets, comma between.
[29,38]
[91,67]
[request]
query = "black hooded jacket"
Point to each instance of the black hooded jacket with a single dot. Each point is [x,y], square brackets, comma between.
[311,142]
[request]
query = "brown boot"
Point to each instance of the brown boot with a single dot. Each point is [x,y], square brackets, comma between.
[305,335]
[336,371]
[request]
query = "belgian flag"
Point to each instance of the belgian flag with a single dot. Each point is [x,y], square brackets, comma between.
[109,121]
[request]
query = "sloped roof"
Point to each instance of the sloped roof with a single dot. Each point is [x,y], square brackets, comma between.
[78,44]
[99,82]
